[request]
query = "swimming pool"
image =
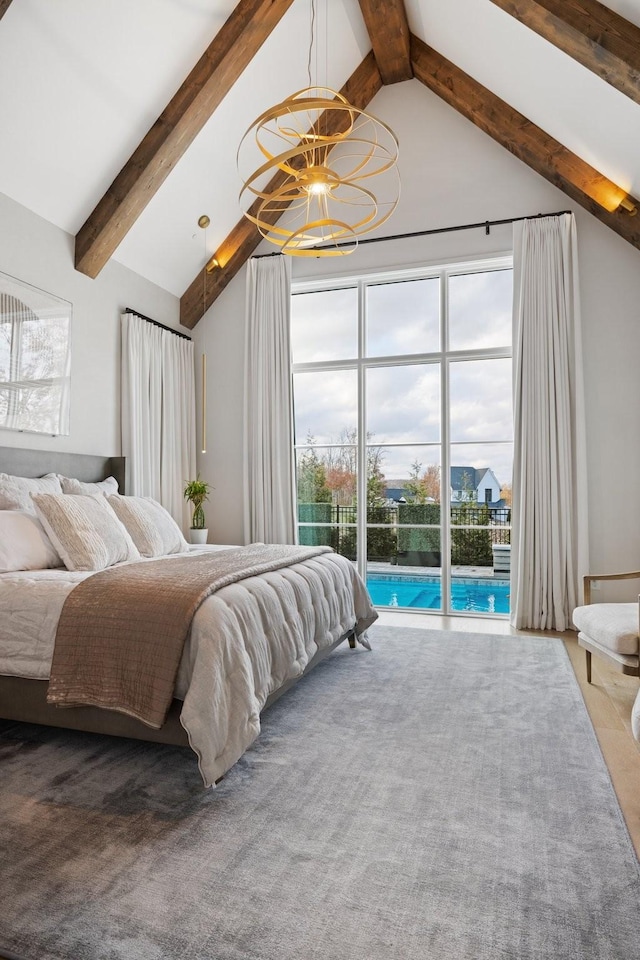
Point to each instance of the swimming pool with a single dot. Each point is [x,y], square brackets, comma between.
[481,595]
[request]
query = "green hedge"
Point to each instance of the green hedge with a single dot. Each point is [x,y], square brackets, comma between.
[419,547]
[315,512]
[470,548]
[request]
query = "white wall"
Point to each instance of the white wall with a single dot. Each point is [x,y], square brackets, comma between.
[220,334]
[454,174]
[36,252]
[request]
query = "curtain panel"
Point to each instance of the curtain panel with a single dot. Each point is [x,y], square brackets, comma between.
[158,414]
[549,533]
[269,470]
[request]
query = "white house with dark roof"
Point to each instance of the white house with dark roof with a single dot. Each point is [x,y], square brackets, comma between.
[474,485]
[467,484]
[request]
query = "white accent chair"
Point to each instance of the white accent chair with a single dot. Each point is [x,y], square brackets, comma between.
[610,630]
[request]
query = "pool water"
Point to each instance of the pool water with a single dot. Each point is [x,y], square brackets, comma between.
[424,593]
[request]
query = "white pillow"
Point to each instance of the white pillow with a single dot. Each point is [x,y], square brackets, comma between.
[15,492]
[99,489]
[23,543]
[151,527]
[84,530]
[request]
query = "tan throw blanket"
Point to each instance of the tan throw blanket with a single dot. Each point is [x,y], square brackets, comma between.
[121,631]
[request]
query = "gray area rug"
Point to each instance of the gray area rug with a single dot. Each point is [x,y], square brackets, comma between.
[440,798]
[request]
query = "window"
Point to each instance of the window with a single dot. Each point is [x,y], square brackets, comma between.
[400,381]
[34,359]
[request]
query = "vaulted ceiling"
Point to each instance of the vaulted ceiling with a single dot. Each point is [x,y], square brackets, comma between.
[124,118]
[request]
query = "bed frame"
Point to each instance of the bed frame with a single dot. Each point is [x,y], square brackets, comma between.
[25,700]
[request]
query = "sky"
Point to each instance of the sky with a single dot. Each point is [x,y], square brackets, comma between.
[403,400]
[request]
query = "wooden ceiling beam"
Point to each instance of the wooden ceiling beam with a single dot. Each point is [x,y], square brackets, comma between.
[591,33]
[587,186]
[388,27]
[235,250]
[175,129]
[4,6]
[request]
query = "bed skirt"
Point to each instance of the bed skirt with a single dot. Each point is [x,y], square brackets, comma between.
[25,701]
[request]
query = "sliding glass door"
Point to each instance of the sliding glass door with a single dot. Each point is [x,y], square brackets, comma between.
[402,393]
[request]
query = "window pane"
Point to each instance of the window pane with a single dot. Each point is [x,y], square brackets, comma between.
[481,400]
[327,476]
[480,309]
[6,329]
[417,584]
[38,408]
[324,325]
[403,317]
[44,348]
[411,473]
[481,527]
[341,536]
[479,471]
[403,403]
[34,359]
[326,405]
[419,546]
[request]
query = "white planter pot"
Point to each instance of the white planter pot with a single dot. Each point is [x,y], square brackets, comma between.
[198,535]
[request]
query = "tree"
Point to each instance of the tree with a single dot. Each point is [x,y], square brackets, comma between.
[340,463]
[506,493]
[467,493]
[375,477]
[312,477]
[423,487]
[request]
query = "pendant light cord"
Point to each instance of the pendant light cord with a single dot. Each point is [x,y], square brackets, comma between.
[313,23]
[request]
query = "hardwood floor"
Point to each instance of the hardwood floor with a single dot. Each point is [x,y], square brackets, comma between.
[609,699]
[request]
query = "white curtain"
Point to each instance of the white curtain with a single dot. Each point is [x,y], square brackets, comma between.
[158,414]
[269,492]
[549,534]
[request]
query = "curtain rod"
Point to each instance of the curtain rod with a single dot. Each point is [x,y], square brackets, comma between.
[156,323]
[487,224]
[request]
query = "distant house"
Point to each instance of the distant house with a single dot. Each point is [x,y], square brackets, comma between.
[474,486]
[468,484]
[395,491]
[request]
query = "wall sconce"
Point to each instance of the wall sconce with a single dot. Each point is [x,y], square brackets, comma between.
[627,204]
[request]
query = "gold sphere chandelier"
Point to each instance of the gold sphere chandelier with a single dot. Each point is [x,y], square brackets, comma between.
[320,153]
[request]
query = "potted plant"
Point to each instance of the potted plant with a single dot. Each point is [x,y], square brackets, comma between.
[196,492]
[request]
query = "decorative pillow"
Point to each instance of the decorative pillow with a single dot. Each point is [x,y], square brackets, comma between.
[151,527]
[99,489]
[15,492]
[84,530]
[23,543]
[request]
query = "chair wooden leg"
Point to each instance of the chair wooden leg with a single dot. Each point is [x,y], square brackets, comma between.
[588,653]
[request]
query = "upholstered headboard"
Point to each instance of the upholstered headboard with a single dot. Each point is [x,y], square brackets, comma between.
[82,466]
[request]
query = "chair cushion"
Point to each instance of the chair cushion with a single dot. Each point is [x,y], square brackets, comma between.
[613,625]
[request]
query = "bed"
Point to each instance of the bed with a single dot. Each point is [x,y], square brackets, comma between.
[268,630]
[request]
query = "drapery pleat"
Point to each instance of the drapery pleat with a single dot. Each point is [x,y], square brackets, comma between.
[158,414]
[549,552]
[269,490]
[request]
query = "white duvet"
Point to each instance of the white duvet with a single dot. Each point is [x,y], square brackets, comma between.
[246,640]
